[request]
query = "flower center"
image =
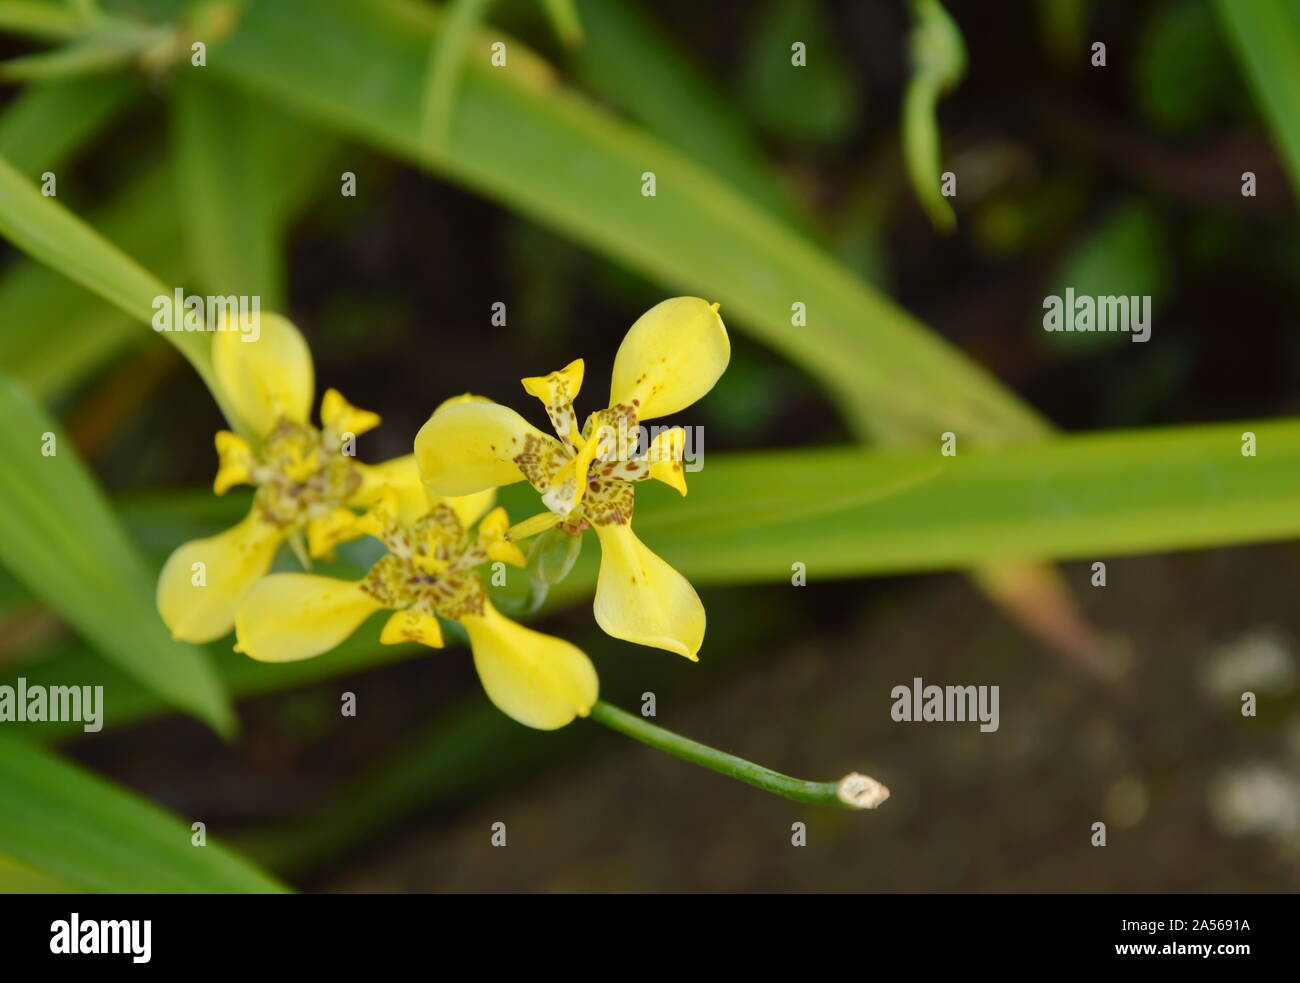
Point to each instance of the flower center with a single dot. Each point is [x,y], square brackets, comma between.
[301,474]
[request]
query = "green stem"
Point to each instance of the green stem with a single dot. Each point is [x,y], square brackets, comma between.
[853,791]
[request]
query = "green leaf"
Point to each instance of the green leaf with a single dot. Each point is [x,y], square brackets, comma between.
[58,536]
[1266,37]
[629,59]
[1184,75]
[817,101]
[45,125]
[848,512]
[92,56]
[552,155]
[60,332]
[563,15]
[1124,256]
[88,833]
[226,199]
[449,49]
[45,21]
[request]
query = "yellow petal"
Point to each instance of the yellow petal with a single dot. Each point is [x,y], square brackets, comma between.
[403,476]
[539,680]
[203,582]
[671,357]
[641,599]
[466,447]
[570,482]
[557,392]
[292,616]
[665,456]
[266,378]
[235,459]
[411,626]
[340,416]
[329,530]
[492,534]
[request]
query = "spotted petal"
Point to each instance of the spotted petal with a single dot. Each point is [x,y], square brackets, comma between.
[469,446]
[204,581]
[267,374]
[671,357]
[539,680]
[641,599]
[291,616]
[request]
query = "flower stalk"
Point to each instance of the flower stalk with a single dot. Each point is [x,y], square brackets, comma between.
[853,791]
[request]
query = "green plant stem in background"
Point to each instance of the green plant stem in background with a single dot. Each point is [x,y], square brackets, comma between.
[563,15]
[938,63]
[446,63]
[44,21]
[852,791]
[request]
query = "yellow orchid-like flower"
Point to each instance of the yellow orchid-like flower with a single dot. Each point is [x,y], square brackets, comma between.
[429,570]
[671,357]
[306,477]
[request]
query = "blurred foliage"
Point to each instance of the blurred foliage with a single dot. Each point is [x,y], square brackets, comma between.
[776,184]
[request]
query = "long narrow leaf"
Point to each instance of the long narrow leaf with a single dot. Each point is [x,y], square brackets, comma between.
[1266,37]
[96,836]
[555,156]
[845,512]
[58,536]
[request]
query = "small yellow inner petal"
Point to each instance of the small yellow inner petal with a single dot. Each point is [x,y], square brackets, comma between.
[342,417]
[412,626]
[572,476]
[666,459]
[329,530]
[494,535]
[235,458]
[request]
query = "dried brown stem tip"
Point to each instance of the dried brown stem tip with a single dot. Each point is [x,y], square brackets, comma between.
[861,791]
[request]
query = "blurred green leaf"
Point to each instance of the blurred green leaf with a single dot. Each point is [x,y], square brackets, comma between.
[60,332]
[93,835]
[847,512]
[447,56]
[101,54]
[817,101]
[938,63]
[850,513]
[629,59]
[1183,73]
[563,15]
[46,21]
[232,229]
[1266,37]
[58,536]
[1064,24]
[553,156]
[44,125]
[1123,256]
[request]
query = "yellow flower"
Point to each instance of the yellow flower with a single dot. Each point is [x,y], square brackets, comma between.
[306,477]
[670,358]
[429,570]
